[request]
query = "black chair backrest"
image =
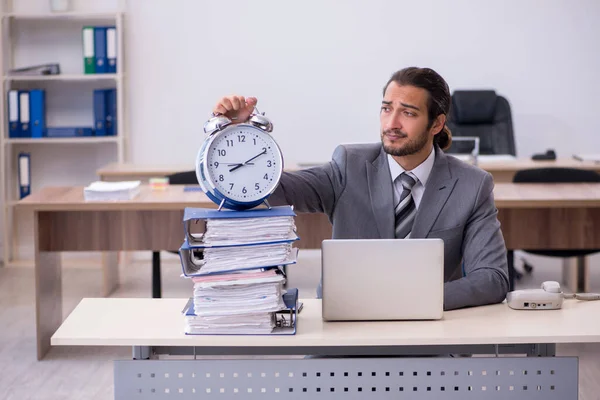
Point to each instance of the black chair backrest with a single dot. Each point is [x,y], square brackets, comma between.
[556,175]
[183,178]
[486,115]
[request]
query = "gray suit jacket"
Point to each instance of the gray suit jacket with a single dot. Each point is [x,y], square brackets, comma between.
[355,191]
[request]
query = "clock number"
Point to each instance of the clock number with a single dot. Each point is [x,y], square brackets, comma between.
[222,152]
[216,164]
[254,141]
[221,178]
[266,177]
[230,186]
[244,190]
[229,143]
[256,186]
[269,163]
[241,138]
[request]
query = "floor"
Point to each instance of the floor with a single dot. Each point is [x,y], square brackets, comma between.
[86,372]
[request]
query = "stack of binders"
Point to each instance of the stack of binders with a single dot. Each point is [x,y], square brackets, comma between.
[235,260]
[99,49]
[27,116]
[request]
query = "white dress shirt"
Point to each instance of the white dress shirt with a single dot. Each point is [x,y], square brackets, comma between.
[420,174]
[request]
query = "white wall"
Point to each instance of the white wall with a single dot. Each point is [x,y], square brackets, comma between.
[318,67]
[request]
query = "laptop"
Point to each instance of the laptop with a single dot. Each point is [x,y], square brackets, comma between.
[382,279]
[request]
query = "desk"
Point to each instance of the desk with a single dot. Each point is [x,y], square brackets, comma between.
[502,170]
[562,216]
[155,326]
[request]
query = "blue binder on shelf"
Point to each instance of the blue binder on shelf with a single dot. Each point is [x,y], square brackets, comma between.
[286,320]
[111,49]
[111,112]
[24,172]
[100,49]
[192,261]
[37,108]
[193,215]
[24,114]
[100,112]
[69,131]
[14,116]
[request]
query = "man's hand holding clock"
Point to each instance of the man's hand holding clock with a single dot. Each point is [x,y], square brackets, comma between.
[237,108]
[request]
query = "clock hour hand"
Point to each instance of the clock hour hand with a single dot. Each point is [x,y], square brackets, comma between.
[237,165]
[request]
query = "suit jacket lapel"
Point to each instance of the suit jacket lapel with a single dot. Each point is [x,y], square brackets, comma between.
[439,186]
[380,191]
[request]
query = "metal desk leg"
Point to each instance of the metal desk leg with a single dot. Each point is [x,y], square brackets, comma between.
[141,352]
[156,289]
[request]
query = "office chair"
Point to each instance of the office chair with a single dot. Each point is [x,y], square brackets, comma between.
[179,178]
[552,175]
[486,115]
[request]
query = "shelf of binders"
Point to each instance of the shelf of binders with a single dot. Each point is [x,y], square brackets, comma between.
[64,140]
[66,77]
[62,16]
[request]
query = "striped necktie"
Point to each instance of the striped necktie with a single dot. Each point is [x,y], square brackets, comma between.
[405,210]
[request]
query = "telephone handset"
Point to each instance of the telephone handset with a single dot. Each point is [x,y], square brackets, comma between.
[548,297]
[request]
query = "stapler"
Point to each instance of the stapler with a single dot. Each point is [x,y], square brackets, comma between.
[548,155]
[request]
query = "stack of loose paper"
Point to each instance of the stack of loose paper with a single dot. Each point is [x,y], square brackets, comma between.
[242,302]
[234,264]
[248,230]
[111,191]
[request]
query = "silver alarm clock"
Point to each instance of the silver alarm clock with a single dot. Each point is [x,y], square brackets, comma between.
[239,165]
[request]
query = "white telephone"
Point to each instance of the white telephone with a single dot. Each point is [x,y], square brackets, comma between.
[549,297]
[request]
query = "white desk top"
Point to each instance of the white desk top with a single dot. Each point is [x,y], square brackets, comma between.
[159,322]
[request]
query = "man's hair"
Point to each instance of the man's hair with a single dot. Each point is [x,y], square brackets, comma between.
[438,99]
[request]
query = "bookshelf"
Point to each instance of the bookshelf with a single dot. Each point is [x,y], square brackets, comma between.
[64,77]
[37,36]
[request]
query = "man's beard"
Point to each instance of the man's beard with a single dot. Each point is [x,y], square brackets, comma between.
[411,147]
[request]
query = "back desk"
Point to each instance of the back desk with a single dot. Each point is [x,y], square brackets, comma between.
[502,168]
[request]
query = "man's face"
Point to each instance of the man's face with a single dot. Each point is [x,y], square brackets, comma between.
[404,120]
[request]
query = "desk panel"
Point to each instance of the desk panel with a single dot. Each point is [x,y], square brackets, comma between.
[550,228]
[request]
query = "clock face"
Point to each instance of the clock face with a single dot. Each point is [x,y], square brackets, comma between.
[244,163]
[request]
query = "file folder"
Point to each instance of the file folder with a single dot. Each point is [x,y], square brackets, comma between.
[37,104]
[24,116]
[192,261]
[100,49]
[24,171]
[89,59]
[200,215]
[287,320]
[69,131]
[111,50]
[111,112]
[36,70]
[14,120]
[100,112]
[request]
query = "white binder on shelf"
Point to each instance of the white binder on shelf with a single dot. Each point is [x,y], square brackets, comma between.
[14,120]
[24,114]
[24,172]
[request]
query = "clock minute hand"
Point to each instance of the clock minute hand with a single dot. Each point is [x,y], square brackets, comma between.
[256,156]
[247,162]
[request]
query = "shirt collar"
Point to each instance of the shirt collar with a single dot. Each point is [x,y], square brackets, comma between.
[421,172]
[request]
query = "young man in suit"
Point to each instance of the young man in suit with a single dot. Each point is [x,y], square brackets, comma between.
[406,187]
